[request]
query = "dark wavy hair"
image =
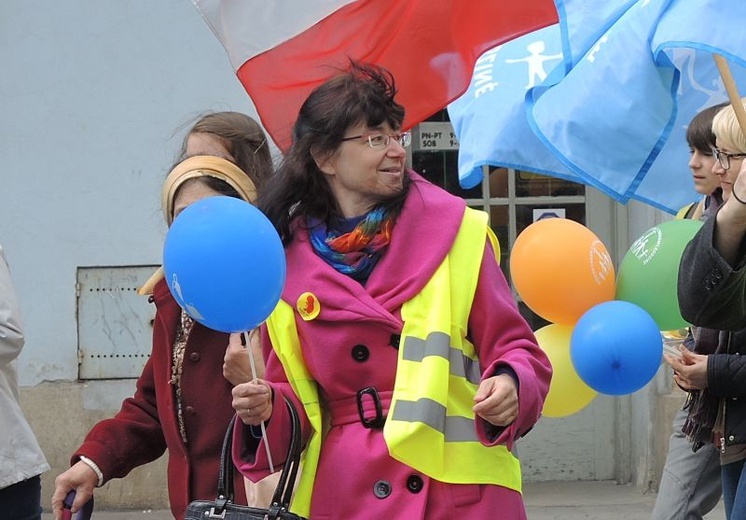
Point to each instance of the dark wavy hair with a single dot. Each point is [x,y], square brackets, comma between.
[364,94]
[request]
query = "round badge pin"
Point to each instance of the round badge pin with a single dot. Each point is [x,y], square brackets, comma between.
[308,306]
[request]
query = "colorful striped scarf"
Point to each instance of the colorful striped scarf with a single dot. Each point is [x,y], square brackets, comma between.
[356,252]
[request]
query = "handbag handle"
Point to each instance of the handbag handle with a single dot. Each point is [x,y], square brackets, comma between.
[284,490]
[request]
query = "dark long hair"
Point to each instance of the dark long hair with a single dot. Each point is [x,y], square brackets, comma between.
[364,94]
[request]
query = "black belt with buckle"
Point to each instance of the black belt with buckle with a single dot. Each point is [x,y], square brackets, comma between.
[380,419]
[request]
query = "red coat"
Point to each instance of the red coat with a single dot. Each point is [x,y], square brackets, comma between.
[147,425]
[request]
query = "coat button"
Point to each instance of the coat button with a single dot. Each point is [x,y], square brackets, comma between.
[731,438]
[414,483]
[360,353]
[394,341]
[190,410]
[382,489]
[194,356]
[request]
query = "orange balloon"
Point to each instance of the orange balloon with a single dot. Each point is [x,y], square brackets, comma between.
[561,269]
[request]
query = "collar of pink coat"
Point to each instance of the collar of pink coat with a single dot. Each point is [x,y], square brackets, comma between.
[421,238]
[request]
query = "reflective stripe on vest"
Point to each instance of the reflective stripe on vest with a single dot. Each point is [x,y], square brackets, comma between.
[431,426]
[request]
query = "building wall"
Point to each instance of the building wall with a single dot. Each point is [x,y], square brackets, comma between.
[94,96]
[91,111]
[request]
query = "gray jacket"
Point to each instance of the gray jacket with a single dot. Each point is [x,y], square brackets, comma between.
[20,454]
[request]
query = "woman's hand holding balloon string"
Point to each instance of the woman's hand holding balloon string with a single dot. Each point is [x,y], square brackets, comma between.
[252,402]
[236,367]
[236,362]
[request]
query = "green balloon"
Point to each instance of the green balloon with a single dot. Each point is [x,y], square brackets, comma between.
[649,271]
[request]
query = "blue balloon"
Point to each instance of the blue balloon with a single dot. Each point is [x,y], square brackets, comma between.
[224,263]
[616,347]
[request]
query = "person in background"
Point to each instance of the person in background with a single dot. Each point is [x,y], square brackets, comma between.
[182,402]
[396,329]
[690,483]
[710,265]
[21,459]
[701,141]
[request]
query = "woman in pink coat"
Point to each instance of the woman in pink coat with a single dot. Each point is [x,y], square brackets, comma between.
[397,337]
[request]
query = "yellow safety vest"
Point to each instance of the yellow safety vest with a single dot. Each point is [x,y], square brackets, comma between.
[691,211]
[430,425]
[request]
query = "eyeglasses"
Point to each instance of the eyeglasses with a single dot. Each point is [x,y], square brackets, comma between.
[725,157]
[381,140]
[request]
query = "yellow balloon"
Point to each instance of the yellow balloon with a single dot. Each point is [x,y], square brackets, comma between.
[568,394]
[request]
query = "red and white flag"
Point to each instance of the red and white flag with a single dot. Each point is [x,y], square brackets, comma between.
[283,49]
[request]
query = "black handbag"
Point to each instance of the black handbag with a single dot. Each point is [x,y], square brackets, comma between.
[224,508]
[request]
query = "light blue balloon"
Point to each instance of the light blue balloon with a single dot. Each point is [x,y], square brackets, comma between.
[224,263]
[616,347]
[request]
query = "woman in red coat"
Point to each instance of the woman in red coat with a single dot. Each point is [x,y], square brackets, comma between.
[182,402]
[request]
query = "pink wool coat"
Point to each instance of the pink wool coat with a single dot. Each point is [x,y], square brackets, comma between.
[352,344]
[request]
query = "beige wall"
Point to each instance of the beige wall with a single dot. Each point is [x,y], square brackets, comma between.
[60,420]
[668,402]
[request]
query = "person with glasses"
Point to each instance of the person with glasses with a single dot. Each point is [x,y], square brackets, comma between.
[690,482]
[724,158]
[712,293]
[397,336]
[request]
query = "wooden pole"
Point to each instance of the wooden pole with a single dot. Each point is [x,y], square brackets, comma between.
[732,89]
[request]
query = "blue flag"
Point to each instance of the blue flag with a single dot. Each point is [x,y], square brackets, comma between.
[490,118]
[614,112]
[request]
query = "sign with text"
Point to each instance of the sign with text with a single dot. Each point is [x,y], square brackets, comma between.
[542,213]
[432,136]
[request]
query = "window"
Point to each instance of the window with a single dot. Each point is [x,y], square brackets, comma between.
[513,199]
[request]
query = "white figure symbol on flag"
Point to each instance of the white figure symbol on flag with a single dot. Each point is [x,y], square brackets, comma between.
[685,60]
[535,61]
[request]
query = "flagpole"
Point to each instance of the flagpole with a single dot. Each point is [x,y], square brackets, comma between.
[732,89]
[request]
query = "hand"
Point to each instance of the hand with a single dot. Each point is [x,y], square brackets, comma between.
[735,211]
[739,188]
[497,400]
[690,370]
[253,402]
[236,367]
[80,478]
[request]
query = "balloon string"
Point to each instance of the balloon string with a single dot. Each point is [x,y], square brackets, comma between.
[264,429]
